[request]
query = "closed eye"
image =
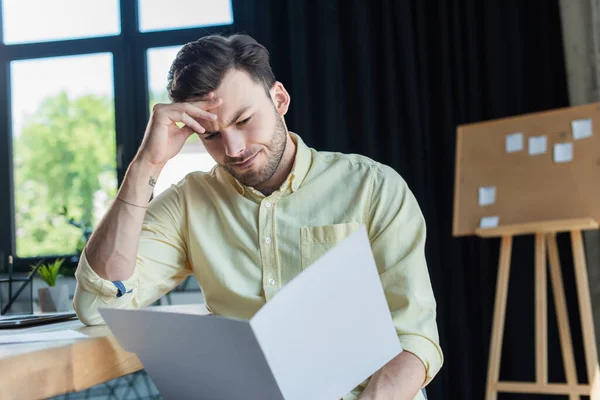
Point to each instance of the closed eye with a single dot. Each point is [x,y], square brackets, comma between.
[210,136]
[244,122]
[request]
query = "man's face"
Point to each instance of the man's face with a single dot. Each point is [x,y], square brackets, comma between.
[249,137]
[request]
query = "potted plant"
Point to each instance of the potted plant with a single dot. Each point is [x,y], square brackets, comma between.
[53,298]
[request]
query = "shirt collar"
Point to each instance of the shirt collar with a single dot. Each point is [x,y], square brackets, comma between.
[294,180]
[301,163]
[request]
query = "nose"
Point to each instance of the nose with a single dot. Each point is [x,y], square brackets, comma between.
[234,144]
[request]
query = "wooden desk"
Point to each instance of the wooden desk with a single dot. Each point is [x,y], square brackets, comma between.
[46,369]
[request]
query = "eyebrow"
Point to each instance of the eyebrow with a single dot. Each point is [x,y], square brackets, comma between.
[232,121]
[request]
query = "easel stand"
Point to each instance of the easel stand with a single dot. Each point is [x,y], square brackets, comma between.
[545,241]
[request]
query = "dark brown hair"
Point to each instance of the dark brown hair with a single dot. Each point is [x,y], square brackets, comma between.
[200,66]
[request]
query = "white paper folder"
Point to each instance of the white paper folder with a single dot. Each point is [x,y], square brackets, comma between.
[323,334]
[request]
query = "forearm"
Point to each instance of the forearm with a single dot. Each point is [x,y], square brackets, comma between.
[112,248]
[399,379]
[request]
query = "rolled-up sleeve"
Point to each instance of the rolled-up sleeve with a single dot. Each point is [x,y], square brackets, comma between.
[397,233]
[161,265]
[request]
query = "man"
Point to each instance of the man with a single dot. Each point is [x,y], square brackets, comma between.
[269,209]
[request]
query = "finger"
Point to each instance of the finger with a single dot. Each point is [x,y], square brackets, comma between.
[187,131]
[187,120]
[192,123]
[199,112]
[208,104]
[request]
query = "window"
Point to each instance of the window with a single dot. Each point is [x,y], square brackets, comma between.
[71,77]
[161,15]
[193,156]
[64,157]
[44,20]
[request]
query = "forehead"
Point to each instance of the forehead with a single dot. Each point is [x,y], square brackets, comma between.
[237,81]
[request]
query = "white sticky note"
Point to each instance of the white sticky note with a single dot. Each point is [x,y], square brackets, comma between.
[538,145]
[489,222]
[487,195]
[563,152]
[582,128]
[514,142]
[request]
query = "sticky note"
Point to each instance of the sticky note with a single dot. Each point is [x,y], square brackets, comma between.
[537,145]
[514,142]
[582,128]
[487,195]
[489,222]
[563,152]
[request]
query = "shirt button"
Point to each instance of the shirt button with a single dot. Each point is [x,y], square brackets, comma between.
[268,240]
[271,281]
[268,205]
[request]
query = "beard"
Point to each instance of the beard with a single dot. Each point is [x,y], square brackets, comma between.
[259,175]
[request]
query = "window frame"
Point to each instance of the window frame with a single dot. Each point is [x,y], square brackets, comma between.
[131,99]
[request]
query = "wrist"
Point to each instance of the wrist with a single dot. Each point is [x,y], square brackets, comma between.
[143,167]
[139,182]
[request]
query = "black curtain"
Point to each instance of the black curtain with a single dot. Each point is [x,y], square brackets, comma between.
[392,80]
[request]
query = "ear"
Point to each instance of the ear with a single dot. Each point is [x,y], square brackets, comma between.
[280,97]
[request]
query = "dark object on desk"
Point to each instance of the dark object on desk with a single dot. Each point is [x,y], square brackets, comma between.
[9,296]
[22,321]
[26,281]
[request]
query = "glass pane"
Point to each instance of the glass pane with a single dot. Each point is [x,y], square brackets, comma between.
[193,156]
[156,15]
[27,21]
[159,62]
[64,150]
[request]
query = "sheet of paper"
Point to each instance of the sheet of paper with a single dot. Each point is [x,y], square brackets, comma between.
[195,357]
[514,142]
[563,152]
[538,145]
[487,195]
[196,309]
[67,334]
[489,222]
[331,326]
[582,128]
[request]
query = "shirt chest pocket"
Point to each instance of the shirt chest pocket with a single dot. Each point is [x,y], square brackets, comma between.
[317,240]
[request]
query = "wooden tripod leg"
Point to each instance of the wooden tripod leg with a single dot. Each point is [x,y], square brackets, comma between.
[585,311]
[541,311]
[499,316]
[562,314]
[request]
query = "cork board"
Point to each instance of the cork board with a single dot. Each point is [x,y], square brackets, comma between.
[528,188]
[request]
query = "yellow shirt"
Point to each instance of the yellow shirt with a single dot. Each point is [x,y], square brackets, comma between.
[244,247]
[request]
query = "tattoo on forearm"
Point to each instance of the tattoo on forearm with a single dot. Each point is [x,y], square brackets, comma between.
[152,182]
